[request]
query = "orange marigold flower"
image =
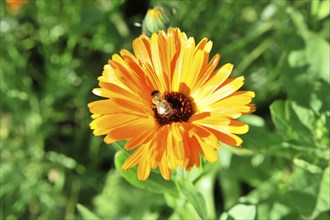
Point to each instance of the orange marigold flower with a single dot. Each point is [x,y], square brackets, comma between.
[170,102]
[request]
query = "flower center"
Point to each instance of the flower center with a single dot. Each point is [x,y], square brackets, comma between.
[171,107]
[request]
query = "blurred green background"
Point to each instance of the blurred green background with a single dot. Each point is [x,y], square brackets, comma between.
[52,52]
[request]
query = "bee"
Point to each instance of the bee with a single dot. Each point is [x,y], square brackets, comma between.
[159,102]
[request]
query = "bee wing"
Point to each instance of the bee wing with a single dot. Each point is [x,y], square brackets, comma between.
[164,108]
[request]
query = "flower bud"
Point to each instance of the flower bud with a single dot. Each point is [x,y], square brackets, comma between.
[156,19]
[15,5]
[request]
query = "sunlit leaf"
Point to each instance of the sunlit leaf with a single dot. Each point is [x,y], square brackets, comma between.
[240,211]
[320,9]
[294,122]
[120,200]
[319,65]
[323,197]
[253,120]
[243,211]
[320,101]
[86,213]
[194,197]
[297,58]
[279,211]
[306,165]
[302,189]
[64,161]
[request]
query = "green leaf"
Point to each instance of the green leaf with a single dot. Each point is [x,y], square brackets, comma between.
[324,9]
[119,200]
[320,9]
[302,190]
[303,202]
[277,110]
[308,63]
[317,50]
[301,126]
[267,189]
[253,120]
[196,198]
[224,216]
[86,213]
[259,137]
[320,102]
[64,161]
[279,211]
[228,182]
[305,116]
[306,165]
[242,211]
[323,198]
[263,210]
[293,122]
[319,65]
[297,58]
[155,183]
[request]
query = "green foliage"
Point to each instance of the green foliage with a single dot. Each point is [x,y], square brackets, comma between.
[240,211]
[86,213]
[53,168]
[194,197]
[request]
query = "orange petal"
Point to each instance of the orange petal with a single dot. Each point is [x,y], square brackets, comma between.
[178,69]
[195,148]
[133,159]
[172,162]
[178,148]
[144,137]
[224,91]
[157,63]
[238,98]
[127,130]
[238,127]
[109,76]
[104,107]
[115,91]
[141,48]
[208,151]
[135,107]
[213,119]
[164,169]
[143,168]
[127,76]
[205,92]
[165,55]
[199,116]
[111,121]
[131,129]
[192,147]
[207,72]
[157,146]
[227,138]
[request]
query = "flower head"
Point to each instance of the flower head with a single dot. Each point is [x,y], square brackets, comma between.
[170,103]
